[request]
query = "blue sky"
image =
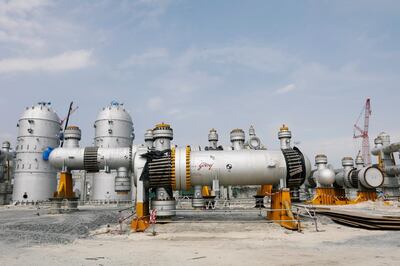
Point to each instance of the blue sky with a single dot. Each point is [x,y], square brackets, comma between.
[204,64]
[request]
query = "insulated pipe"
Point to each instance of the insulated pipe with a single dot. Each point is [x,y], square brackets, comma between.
[394,147]
[103,158]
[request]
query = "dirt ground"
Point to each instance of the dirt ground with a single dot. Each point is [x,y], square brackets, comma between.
[235,241]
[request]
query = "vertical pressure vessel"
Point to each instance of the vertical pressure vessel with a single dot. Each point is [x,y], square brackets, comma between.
[113,129]
[35,179]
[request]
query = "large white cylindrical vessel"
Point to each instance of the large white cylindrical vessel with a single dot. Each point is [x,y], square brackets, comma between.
[113,129]
[244,167]
[38,129]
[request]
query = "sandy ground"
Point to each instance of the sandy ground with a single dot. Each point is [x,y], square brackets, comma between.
[228,243]
[235,242]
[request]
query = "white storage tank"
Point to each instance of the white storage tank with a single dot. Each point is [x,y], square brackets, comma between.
[34,179]
[113,129]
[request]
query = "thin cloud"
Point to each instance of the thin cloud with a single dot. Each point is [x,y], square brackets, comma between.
[150,58]
[155,103]
[19,24]
[63,62]
[286,89]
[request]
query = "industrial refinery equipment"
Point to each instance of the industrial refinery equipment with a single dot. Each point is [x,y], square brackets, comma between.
[330,188]
[72,136]
[6,172]
[113,129]
[384,151]
[323,178]
[38,129]
[165,168]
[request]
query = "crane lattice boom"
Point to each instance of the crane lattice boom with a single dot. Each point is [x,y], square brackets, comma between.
[363,133]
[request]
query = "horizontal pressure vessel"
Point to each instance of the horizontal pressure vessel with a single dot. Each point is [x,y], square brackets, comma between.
[91,158]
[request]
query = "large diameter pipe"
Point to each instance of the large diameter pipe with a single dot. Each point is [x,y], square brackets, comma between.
[370,177]
[392,170]
[74,158]
[70,158]
[394,147]
[243,167]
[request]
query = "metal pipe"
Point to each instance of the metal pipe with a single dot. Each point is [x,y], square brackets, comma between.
[74,158]
[394,147]
[392,170]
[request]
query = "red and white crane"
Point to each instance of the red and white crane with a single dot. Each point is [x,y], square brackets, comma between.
[363,133]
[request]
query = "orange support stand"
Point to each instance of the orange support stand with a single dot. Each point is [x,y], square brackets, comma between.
[142,220]
[65,187]
[205,191]
[264,190]
[281,210]
[365,196]
[329,196]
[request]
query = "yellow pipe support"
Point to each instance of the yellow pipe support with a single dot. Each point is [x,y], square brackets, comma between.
[142,220]
[264,190]
[281,210]
[329,196]
[65,187]
[365,196]
[205,191]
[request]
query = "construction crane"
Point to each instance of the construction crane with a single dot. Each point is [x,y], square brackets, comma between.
[66,120]
[70,112]
[363,133]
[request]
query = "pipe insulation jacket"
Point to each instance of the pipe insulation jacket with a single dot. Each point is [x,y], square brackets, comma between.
[394,147]
[102,158]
